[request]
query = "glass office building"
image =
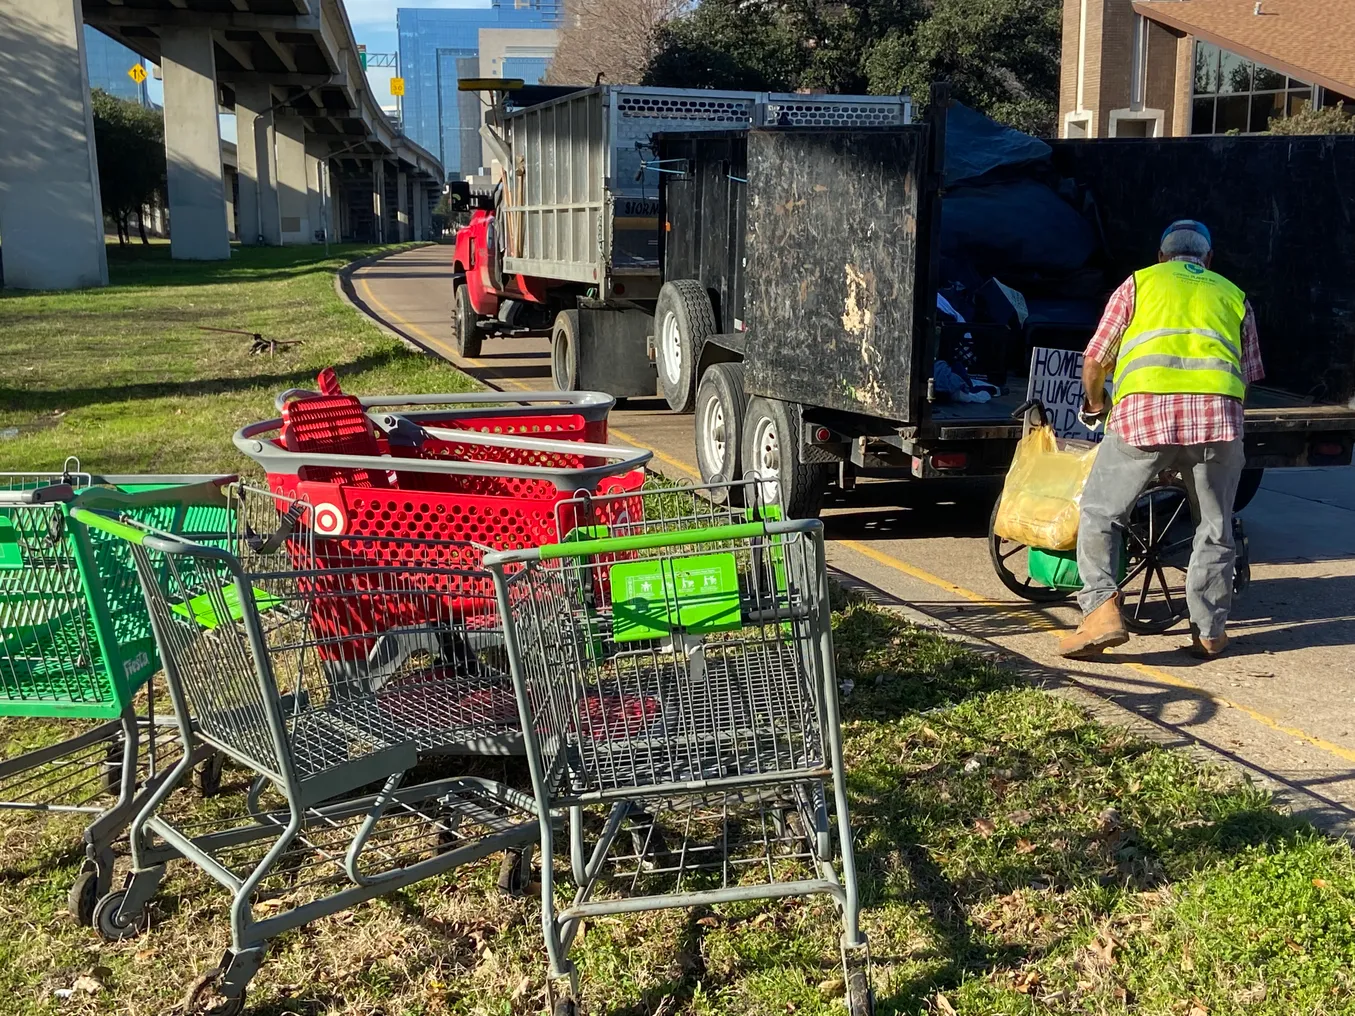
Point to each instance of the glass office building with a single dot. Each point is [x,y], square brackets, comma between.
[432,42]
[108,62]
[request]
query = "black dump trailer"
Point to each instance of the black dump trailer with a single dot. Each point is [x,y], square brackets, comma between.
[808,264]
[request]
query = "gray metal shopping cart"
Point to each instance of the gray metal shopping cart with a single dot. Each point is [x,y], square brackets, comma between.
[76,651]
[274,649]
[676,670]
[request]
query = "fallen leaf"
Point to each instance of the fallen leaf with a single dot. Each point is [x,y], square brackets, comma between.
[973,765]
[929,733]
[523,987]
[943,1005]
[1250,996]
[710,922]
[761,919]
[1294,946]
[832,987]
[89,985]
[985,827]
[1109,820]
[1019,818]
[1321,883]
[1197,1008]
[1103,947]
[1025,847]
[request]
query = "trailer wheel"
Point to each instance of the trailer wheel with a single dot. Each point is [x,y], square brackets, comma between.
[772,432]
[465,332]
[720,408]
[683,319]
[564,351]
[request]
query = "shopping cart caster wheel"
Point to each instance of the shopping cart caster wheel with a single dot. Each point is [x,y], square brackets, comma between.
[207,776]
[860,995]
[110,777]
[565,1007]
[515,873]
[203,998]
[113,926]
[84,897]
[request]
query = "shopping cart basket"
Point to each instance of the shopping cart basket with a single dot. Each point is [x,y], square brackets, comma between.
[495,488]
[76,645]
[241,658]
[683,679]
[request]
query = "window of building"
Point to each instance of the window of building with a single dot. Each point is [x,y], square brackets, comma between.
[1232,93]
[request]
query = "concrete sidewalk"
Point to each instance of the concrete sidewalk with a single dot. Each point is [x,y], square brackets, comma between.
[1281,706]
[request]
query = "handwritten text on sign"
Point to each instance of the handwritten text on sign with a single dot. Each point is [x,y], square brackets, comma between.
[1056,380]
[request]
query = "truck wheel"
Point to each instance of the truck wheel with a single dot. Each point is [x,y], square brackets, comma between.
[465,332]
[564,351]
[1247,488]
[683,319]
[720,406]
[772,434]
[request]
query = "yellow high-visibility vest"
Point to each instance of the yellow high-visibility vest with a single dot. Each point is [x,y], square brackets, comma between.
[1185,335]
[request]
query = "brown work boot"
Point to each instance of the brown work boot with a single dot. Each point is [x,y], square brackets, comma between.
[1206,649]
[1102,629]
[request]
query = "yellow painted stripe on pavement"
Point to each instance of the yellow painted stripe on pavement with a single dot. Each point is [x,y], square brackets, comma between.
[922,575]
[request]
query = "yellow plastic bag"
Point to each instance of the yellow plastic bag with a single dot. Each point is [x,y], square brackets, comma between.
[1042,495]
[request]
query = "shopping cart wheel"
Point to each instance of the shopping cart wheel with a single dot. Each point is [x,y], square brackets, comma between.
[207,775]
[111,775]
[84,896]
[565,1007]
[515,872]
[203,998]
[113,926]
[860,995]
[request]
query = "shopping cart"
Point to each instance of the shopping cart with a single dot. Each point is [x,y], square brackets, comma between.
[76,645]
[486,472]
[242,658]
[683,679]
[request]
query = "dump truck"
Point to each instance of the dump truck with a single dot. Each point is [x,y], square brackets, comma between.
[567,241]
[804,266]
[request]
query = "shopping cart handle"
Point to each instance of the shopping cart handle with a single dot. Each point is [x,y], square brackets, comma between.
[276,459]
[51,494]
[189,491]
[591,405]
[411,431]
[653,541]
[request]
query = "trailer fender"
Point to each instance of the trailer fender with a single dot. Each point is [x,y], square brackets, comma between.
[720,348]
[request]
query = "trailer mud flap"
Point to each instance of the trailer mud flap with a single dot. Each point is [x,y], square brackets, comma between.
[613,353]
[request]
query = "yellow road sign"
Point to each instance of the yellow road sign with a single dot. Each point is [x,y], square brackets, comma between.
[137,73]
[397,86]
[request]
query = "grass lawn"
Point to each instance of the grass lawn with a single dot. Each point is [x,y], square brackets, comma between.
[1015,857]
[123,378]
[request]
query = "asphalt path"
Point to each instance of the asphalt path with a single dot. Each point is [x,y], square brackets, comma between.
[1279,705]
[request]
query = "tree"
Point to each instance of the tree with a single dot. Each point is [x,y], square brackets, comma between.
[614,38]
[1000,56]
[1327,120]
[130,140]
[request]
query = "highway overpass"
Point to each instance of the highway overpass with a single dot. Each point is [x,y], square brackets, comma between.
[316,155]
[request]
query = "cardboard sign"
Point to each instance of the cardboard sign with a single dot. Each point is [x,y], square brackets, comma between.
[1056,380]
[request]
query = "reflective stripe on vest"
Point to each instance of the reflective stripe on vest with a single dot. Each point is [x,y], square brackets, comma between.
[1185,335]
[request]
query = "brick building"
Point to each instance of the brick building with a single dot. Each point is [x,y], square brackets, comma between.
[1162,68]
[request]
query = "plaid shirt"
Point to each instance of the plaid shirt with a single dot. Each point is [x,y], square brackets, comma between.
[1147,421]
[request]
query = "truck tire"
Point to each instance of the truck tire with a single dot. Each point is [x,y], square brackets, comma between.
[564,351]
[683,318]
[1247,487]
[772,435]
[466,334]
[720,407]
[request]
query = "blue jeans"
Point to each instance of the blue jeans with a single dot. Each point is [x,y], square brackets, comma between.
[1119,475]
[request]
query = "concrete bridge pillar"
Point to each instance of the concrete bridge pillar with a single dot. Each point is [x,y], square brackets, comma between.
[293,202]
[379,198]
[420,211]
[315,193]
[197,200]
[51,215]
[402,205]
[257,216]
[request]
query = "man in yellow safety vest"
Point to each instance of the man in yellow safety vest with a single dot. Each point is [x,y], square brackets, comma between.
[1179,342]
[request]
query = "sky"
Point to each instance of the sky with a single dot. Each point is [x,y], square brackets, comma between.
[373,24]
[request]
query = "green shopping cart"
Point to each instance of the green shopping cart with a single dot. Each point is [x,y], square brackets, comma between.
[79,732]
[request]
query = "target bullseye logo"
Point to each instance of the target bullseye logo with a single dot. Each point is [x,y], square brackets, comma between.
[329,519]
